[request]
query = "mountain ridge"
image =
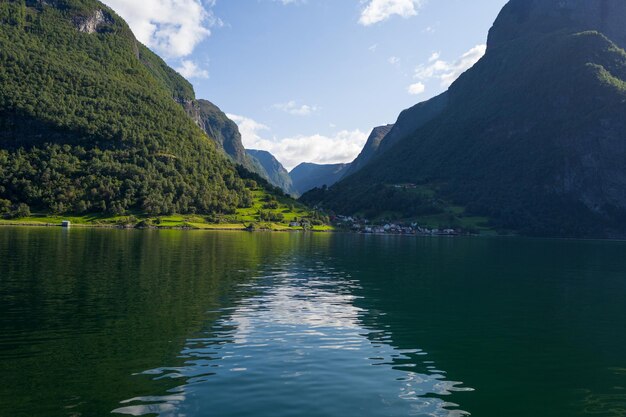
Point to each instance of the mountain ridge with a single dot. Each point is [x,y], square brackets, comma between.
[531,137]
[370,149]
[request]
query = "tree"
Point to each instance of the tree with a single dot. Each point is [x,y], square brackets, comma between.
[5,206]
[22,211]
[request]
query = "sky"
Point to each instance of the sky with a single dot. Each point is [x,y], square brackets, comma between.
[309,79]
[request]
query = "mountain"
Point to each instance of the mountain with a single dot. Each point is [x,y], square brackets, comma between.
[226,135]
[532,137]
[221,129]
[91,120]
[274,171]
[369,150]
[307,176]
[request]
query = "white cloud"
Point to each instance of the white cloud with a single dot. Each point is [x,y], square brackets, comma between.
[416,89]
[341,147]
[249,129]
[448,72]
[373,48]
[394,60]
[190,69]
[287,2]
[293,108]
[172,28]
[380,10]
[434,57]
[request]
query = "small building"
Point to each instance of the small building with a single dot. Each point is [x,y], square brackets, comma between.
[66,223]
[295,224]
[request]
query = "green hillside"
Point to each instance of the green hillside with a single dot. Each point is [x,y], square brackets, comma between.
[90,120]
[532,137]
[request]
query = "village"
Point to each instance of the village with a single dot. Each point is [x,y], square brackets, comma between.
[359,225]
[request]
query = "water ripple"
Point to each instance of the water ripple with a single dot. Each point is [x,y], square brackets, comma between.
[297,343]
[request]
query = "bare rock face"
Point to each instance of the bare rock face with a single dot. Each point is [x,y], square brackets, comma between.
[98,22]
[526,17]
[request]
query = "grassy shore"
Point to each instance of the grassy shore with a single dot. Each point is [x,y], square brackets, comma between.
[275,214]
[166,222]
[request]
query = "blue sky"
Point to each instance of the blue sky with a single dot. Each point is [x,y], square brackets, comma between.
[309,79]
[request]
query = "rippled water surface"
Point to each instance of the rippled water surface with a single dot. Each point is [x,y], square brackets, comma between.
[171,323]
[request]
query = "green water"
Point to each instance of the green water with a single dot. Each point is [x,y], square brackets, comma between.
[194,324]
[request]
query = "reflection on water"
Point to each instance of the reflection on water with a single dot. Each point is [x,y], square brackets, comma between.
[297,342]
[611,404]
[269,325]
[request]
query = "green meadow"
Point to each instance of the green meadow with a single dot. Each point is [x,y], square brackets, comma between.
[267,212]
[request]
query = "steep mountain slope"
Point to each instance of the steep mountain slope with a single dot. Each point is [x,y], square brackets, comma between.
[224,131]
[89,119]
[307,176]
[369,150]
[210,118]
[412,119]
[533,136]
[226,135]
[274,171]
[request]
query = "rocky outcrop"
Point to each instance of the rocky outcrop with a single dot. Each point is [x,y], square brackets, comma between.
[98,22]
[221,129]
[218,127]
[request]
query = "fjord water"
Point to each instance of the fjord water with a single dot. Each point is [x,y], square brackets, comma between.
[173,323]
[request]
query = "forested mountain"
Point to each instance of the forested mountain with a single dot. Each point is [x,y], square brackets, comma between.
[91,120]
[307,176]
[274,171]
[533,136]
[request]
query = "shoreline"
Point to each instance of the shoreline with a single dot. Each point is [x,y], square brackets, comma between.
[287,230]
[184,228]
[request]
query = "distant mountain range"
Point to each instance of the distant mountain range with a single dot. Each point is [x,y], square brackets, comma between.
[533,137]
[307,176]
